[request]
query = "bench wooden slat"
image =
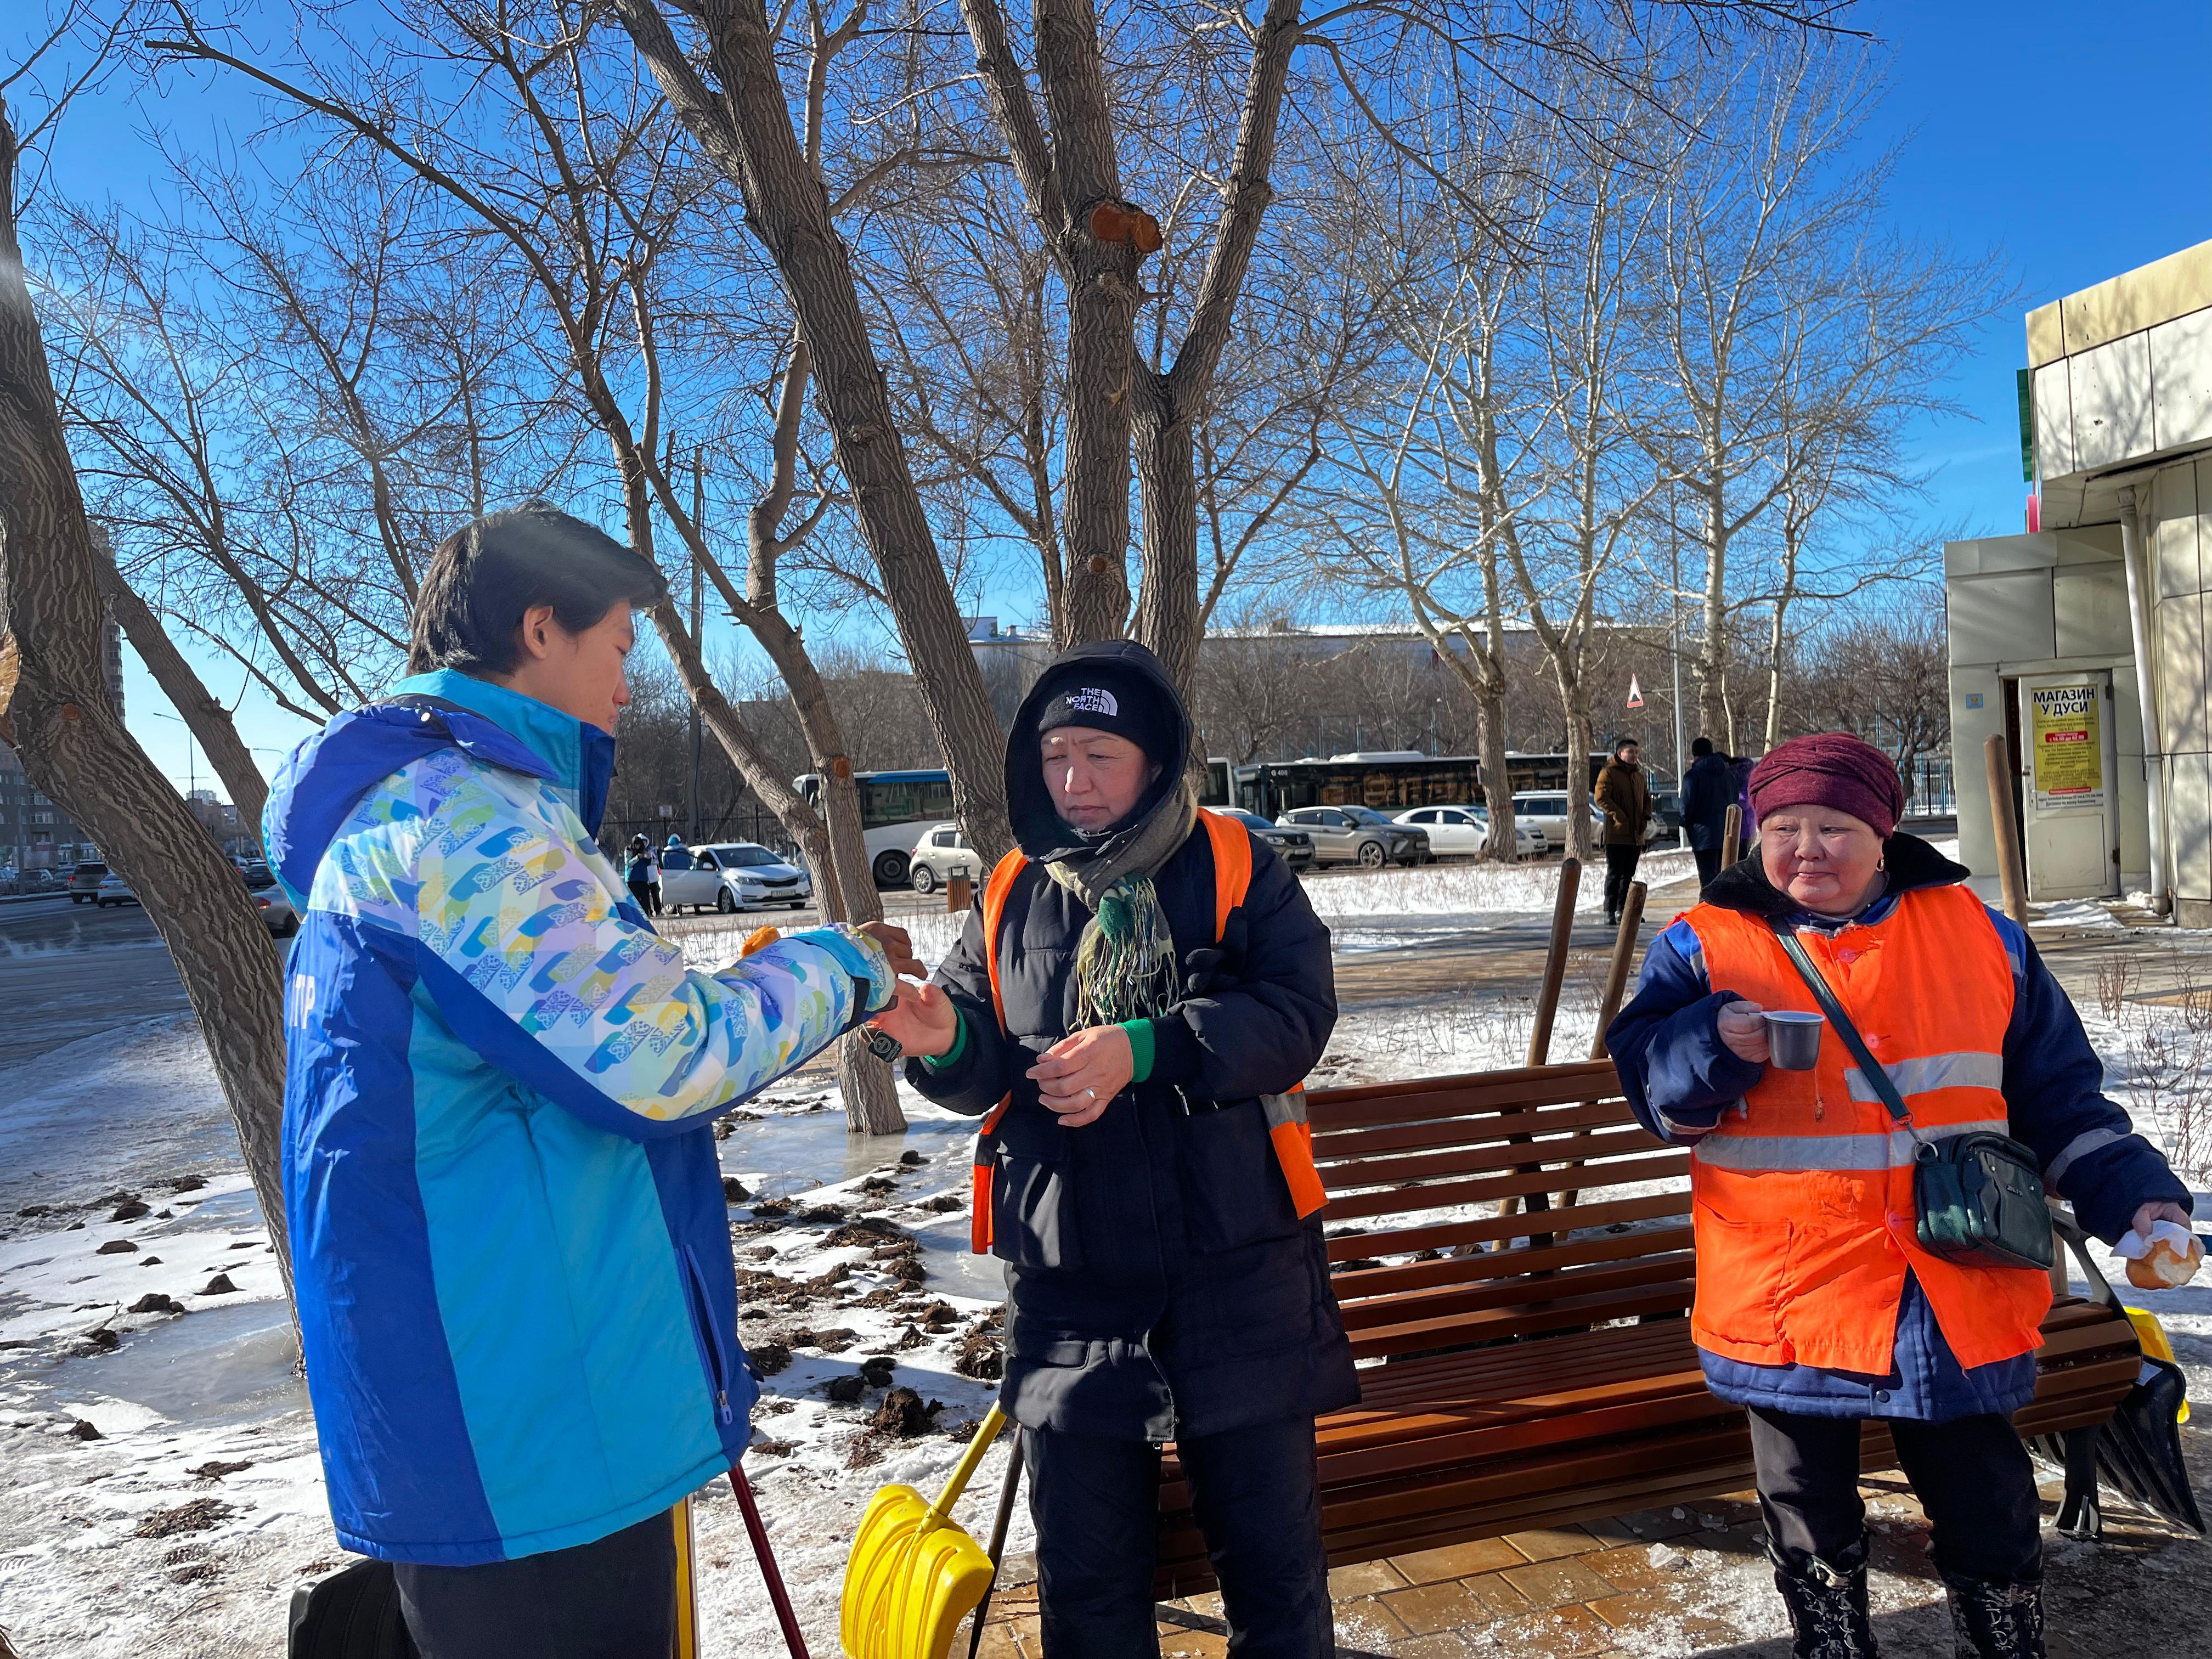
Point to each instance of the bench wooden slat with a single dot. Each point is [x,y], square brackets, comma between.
[1339,1145]
[1349,1246]
[1362,1287]
[1552,1143]
[1652,1162]
[1430,1306]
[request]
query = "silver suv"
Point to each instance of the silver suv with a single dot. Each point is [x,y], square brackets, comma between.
[1357,835]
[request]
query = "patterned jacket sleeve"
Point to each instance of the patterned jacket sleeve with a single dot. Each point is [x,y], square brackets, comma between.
[526,949]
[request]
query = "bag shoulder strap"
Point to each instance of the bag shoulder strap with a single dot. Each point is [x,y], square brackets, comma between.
[1817,982]
[1232,866]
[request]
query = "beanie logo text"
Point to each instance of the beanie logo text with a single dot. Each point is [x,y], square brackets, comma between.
[1093,700]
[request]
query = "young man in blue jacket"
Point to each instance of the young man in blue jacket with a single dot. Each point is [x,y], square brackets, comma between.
[518,1308]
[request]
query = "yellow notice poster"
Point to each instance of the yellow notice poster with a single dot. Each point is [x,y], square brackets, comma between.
[2067,748]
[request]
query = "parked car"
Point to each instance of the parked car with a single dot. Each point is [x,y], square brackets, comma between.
[941,851]
[110,891]
[1357,835]
[1464,832]
[1666,817]
[1294,846]
[738,875]
[84,882]
[276,912]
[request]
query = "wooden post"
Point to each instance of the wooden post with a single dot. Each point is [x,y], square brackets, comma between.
[1555,961]
[1624,957]
[1732,834]
[2012,875]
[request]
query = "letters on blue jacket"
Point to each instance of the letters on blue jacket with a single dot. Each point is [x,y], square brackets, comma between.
[509,1242]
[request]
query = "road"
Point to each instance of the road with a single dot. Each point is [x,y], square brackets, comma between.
[69,971]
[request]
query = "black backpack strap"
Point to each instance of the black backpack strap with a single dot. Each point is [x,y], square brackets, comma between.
[1817,982]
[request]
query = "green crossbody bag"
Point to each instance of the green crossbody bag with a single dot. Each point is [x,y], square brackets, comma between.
[1978,1197]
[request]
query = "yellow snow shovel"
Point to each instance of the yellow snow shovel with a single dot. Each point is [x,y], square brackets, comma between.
[912,1575]
[2152,1336]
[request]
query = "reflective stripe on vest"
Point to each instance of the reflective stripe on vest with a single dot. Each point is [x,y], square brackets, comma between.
[1803,1193]
[1287,1130]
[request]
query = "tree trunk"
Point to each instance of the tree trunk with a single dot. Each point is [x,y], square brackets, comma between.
[1103,283]
[1713,653]
[208,719]
[1582,737]
[1167,608]
[55,710]
[748,133]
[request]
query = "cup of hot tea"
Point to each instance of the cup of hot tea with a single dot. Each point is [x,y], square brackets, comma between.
[1793,1039]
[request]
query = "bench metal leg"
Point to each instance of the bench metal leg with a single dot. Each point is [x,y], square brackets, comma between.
[2081,1514]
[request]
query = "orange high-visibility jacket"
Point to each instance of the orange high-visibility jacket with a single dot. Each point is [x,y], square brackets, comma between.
[1287,1113]
[1804,1193]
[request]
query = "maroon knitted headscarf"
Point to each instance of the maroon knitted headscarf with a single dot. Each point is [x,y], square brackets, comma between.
[1829,768]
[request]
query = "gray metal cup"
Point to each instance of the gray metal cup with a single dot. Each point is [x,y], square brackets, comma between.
[1793,1039]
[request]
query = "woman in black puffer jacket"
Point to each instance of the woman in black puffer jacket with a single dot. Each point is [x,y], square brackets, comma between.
[1162,1284]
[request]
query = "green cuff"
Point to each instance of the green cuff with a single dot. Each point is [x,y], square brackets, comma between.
[951,1056]
[1140,1048]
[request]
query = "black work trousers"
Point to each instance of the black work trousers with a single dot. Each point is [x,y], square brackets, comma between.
[614,1598]
[1256,1493]
[1619,870]
[1971,1475]
[1709,863]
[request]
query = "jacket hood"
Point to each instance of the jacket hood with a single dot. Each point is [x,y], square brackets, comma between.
[1037,828]
[1909,862]
[322,781]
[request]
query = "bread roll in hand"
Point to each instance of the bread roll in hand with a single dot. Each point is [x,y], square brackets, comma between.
[2163,1266]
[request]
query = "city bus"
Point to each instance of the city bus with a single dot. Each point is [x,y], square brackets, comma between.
[897,807]
[1390,782]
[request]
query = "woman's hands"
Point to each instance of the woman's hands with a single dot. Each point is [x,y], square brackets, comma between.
[922,1022]
[2151,1213]
[1080,1075]
[1742,1028]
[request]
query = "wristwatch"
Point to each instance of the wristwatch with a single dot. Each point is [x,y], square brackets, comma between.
[884,1046]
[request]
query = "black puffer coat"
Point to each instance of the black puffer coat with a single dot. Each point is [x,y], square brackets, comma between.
[1160,1284]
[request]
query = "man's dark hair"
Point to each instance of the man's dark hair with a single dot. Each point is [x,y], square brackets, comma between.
[1701,746]
[487,574]
[1619,744]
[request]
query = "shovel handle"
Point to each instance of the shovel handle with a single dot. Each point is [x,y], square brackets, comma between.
[994,1420]
[776,1593]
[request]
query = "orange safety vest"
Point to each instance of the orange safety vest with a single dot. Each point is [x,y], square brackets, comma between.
[1287,1113]
[1803,1194]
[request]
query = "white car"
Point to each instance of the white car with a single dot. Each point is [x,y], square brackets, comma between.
[1546,812]
[941,851]
[113,889]
[738,875]
[1464,831]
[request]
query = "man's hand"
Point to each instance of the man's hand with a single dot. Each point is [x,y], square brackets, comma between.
[1078,1076]
[898,947]
[1742,1027]
[922,1022]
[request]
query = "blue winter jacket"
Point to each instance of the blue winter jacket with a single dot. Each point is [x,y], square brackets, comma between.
[509,1242]
[1678,1078]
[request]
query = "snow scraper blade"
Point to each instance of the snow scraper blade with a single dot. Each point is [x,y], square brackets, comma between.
[912,1575]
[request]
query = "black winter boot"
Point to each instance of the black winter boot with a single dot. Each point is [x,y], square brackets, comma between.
[1827,1603]
[1995,1620]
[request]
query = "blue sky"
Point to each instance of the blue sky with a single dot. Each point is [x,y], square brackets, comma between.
[2070,140]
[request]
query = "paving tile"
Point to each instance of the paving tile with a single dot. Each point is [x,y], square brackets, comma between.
[1446,1645]
[1178,1644]
[1364,1578]
[1208,1603]
[1636,1608]
[1456,1561]
[1648,1526]
[1499,1600]
[1555,1583]
[1572,1632]
[1422,1608]
[1367,1615]
[1626,1569]
[1550,1543]
[998,1643]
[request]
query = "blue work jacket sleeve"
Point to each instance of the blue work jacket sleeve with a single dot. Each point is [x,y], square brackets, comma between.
[2054,1095]
[1677,1074]
[981,1073]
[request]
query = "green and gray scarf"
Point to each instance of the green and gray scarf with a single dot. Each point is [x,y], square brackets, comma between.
[1124,962]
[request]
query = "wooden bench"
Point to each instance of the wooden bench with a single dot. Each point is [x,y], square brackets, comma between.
[1536,1369]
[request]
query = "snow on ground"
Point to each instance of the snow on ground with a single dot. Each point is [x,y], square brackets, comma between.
[1467,889]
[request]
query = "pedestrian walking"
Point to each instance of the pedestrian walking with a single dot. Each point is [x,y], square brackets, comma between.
[1740,767]
[642,877]
[1817,1306]
[1623,796]
[510,1249]
[1707,790]
[1128,1010]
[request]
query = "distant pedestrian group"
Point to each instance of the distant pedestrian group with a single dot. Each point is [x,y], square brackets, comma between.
[642,872]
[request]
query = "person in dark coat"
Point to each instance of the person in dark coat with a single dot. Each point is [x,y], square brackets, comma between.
[1161,1283]
[641,878]
[1816,1307]
[1624,798]
[1708,790]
